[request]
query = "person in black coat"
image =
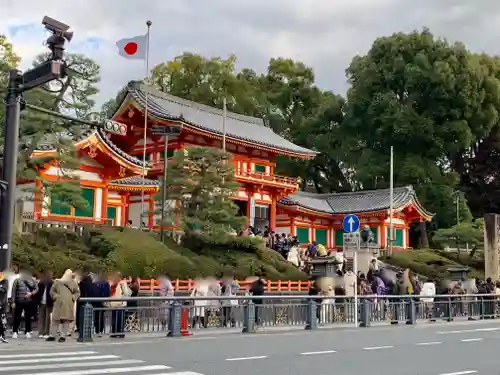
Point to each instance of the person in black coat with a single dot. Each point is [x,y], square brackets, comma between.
[44,301]
[257,289]
[88,289]
[4,287]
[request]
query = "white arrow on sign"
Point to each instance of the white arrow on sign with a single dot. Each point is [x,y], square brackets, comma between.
[351,223]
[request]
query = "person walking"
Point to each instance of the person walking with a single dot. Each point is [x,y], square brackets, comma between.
[119,290]
[4,291]
[64,293]
[44,301]
[23,290]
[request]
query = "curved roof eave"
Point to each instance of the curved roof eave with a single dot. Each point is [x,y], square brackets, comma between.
[161,114]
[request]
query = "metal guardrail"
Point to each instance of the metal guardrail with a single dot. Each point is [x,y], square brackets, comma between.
[181,316]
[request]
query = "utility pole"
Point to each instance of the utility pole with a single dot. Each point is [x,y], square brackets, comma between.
[9,172]
[166,132]
[391,200]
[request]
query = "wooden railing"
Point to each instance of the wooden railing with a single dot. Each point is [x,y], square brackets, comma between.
[271,286]
[263,177]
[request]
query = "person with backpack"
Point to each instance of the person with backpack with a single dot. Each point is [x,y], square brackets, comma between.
[118,290]
[23,290]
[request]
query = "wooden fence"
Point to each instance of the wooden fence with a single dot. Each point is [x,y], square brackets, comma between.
[271,286]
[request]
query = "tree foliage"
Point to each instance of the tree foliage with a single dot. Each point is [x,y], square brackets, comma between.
[435,102]
[200,186]
[432,101]
[461,236]
[72,95]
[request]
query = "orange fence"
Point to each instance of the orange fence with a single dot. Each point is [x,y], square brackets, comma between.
[271,286]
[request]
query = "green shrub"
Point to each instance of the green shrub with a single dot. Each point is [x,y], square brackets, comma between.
[139,253]
[428,263]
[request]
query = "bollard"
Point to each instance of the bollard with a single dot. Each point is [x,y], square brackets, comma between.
[366,313]
[185,323]
[249,318]
[174,320]
[412,312]
[311,317]
[85,329]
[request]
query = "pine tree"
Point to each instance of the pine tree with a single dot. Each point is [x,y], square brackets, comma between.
[71,95]
[200,188]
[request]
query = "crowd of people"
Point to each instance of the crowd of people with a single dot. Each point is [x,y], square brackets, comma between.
[25,297]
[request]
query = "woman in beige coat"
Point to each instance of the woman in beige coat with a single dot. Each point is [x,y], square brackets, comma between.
[64,292]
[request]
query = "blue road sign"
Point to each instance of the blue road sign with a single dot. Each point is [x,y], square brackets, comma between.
[351,223]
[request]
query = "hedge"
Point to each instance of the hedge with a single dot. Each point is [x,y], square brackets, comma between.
[134,252]
[428,263]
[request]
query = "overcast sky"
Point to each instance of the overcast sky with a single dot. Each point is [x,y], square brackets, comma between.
[324,34]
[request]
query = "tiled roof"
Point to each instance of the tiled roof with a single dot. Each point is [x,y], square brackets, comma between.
[134,180]
[131,159]
[354,202]
[49,143]
[241,127]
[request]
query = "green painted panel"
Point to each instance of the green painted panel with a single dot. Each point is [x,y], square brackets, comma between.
[89,196]
[111,212]
[398,237]
[339,237]
[375,233]
[321,235]
[57,207]
[260,168]
[303,235]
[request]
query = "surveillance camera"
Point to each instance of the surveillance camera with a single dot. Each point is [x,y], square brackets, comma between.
[54,25]
[58,28]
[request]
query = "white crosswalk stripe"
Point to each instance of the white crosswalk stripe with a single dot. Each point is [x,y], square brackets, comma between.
[80,363]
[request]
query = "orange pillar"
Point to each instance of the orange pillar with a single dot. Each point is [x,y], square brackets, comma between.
[104,203]
[272,214]
[151,214]
[126,208]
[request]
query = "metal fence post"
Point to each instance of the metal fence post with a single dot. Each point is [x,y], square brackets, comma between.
[311,316]
[249,317]
[450,310]
[174,320]
[87,316]
[366,312]
[412,312]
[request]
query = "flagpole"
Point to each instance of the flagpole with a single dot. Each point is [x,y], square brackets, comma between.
[224,106]
[391,199]
[148,24]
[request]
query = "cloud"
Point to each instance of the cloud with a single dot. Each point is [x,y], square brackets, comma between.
[323,34]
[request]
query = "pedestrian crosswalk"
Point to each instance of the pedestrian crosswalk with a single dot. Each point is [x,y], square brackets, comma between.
[79,363]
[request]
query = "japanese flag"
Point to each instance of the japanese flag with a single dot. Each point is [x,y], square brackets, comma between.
[133,48]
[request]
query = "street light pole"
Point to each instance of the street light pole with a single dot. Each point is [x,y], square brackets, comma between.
[9,172]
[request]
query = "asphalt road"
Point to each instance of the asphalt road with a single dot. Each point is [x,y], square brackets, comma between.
[453,349]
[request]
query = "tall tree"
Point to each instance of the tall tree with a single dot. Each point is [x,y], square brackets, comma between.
[72,95]
[300,111]
[200,180]
[208,81]
[430,100]
[8,60]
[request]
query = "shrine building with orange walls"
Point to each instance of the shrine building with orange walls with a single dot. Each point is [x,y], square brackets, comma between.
[112,165]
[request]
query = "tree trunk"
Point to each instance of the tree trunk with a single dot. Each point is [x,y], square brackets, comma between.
[424,240]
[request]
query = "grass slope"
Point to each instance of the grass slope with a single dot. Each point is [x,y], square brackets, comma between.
[139,253]
[433,264]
